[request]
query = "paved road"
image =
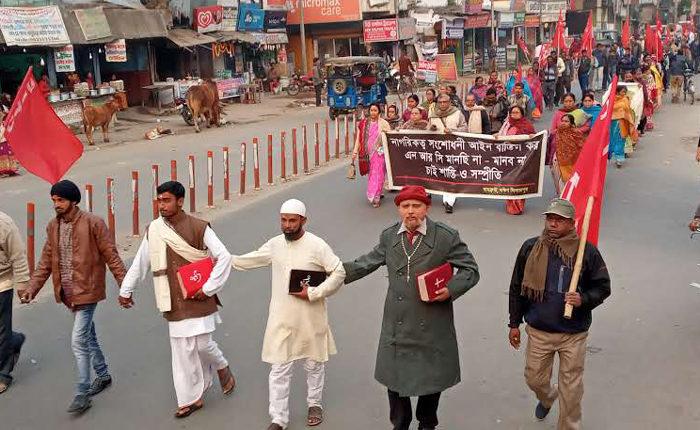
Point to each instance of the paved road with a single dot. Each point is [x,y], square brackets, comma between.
[643,350]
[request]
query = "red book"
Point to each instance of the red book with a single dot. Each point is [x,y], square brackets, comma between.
[433,280]
[193,276]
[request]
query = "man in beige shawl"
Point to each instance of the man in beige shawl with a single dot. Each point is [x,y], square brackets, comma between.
[538,293]
[173,240]
[297,325]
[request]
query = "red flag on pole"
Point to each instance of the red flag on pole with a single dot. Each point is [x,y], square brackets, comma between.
[626,34]
[519,76]
[572,5]
[39,139]
[649,40]
[588,179]
[559,43]
[545,50]
[587,38]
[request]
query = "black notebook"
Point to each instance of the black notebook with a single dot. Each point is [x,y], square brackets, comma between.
[298,279]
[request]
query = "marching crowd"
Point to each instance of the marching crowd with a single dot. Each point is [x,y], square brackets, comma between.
[415,331]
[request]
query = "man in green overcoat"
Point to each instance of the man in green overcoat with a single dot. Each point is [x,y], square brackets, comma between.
[418,353]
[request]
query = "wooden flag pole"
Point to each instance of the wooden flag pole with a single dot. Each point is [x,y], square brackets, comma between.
[568,309]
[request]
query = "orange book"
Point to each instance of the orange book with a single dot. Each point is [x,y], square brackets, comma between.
[193,276]
[433,280]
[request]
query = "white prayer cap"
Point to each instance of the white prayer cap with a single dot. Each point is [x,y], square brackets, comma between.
[294,207]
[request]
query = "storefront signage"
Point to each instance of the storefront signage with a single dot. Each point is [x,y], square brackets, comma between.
[473,6]
[115,52]
[548,8]
[427,71]
[28,26]
[271,38]
[446,67]
[93,22]
[407,28]
[251,17]
[275,20]
[451,31]
[208,18]
[380,30]
[228,3]
[229,19]
[532,21]
[275,4]
[481,20]
[519,19]
[325,11]
[506,19]
[64,58]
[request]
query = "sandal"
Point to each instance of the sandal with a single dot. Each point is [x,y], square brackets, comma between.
[315,416]
[188,410]
[227,381]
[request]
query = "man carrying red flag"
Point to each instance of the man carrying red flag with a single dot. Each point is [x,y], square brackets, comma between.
[538,293]
[47,155]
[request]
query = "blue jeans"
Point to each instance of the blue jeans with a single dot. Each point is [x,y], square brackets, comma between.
[583,81]
[86,349]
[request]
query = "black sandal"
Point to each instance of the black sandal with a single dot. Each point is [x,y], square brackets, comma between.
[315,416]
[188,410]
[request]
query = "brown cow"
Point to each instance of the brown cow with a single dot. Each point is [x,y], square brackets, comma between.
[203,101]
[94,116]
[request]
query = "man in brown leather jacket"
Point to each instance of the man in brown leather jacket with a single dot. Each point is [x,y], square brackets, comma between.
[78,244]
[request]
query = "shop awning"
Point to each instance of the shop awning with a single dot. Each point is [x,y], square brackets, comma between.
[137,23]
[239,36]
[184,37]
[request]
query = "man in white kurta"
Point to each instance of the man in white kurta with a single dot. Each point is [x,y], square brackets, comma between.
[196,357]
[297,326]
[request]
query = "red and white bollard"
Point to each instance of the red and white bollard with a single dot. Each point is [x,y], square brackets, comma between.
[305,150]
[295,153]
[31,216]
[283,156]
[337,138]
[88,197]
[227,175]
[256,165]
[173,170]
[328,145]
[317,148]
[154,189]
[210,179]
[270,167]
[110,208]
[241,190]
[190,170]
[347,135]
[135,203]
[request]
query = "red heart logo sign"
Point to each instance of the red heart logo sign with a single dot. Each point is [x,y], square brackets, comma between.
[205,19]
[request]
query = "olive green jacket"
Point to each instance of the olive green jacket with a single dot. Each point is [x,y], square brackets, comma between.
[418,351]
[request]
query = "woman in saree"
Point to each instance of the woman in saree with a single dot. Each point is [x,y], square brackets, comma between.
[537,95]
[415,121]
[478,89]
[8,163]
[515,124]
[621,127]
[392,117]
[581,122]
[369,151]
[569,143]
[655,69]
[590,107]
[646,78]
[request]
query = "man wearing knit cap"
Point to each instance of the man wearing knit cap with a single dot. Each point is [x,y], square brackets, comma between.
[77,247]
[538,293]
[304,272]
[418,354]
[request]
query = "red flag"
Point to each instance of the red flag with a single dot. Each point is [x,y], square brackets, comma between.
[39,139]
[589,173]
[558,42]
[626,34]
[545,49]
[519,76]
[572,5]
[523,47]
[587,38]
[649,40]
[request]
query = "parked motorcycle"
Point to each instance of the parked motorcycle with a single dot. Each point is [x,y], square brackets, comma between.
[299,83]
[185,111]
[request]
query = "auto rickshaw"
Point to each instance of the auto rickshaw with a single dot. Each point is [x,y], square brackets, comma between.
[354,83]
